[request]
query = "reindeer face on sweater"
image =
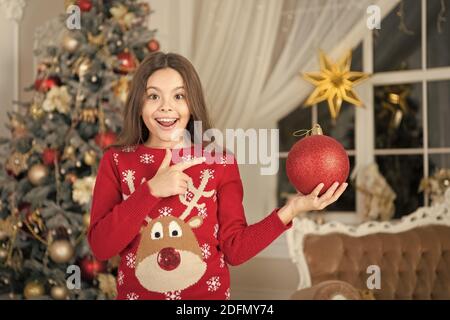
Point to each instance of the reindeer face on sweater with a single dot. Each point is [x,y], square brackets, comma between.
[169,257]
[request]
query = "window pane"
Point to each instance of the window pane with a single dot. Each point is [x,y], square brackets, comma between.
[343,128]
[403,173]
[395,49]
[398,116]
[438,161]
[438,40]
[439,114]
[357,59]
[298,119]
[345,203]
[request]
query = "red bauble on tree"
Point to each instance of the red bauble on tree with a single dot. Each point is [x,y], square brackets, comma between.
[127,62]
[49,156]
[317,159]
[91,267]
[153,45]
[45,84]
[85,5]
[104,139]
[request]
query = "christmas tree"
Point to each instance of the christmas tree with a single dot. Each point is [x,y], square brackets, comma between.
[57,139]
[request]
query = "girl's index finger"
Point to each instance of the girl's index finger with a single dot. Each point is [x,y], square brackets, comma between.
[185,165]
[317,189]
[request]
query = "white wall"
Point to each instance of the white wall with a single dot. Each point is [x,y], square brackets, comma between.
[169,17]
[8,59]
[16,43]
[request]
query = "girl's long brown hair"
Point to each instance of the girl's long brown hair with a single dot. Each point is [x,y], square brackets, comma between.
[134,130]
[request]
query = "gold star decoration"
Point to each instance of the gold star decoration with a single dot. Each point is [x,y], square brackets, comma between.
[334,83]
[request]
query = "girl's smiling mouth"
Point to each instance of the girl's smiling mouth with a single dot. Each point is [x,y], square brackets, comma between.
[166,123]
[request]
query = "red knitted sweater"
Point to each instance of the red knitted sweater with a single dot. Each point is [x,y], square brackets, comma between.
[176,247]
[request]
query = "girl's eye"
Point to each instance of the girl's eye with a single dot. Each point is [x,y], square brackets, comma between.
[153,97]
[179,96]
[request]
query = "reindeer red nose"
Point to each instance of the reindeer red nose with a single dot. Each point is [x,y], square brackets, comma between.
[168,259]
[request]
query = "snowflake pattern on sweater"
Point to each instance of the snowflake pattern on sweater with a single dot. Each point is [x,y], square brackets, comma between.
[176,247]
[146,158]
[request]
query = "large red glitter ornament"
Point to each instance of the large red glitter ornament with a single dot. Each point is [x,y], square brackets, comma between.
[317,159]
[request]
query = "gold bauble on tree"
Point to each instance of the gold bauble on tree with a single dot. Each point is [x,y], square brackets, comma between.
[124,18]
[36,111]
[69,153]
[90,157]
[61,251]
[33,289]
[59,292]
[69,42]
[37,174]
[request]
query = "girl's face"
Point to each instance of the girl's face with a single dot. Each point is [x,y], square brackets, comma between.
[165,111]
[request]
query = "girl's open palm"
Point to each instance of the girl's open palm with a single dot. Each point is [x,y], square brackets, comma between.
[301,203]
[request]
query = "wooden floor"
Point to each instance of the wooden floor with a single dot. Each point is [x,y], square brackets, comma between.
[263,279]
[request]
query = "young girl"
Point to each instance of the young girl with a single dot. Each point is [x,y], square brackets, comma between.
[176,226]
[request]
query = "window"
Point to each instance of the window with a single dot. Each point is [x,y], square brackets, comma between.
[405,126]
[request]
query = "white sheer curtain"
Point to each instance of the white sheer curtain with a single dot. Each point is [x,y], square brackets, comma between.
[249,55]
